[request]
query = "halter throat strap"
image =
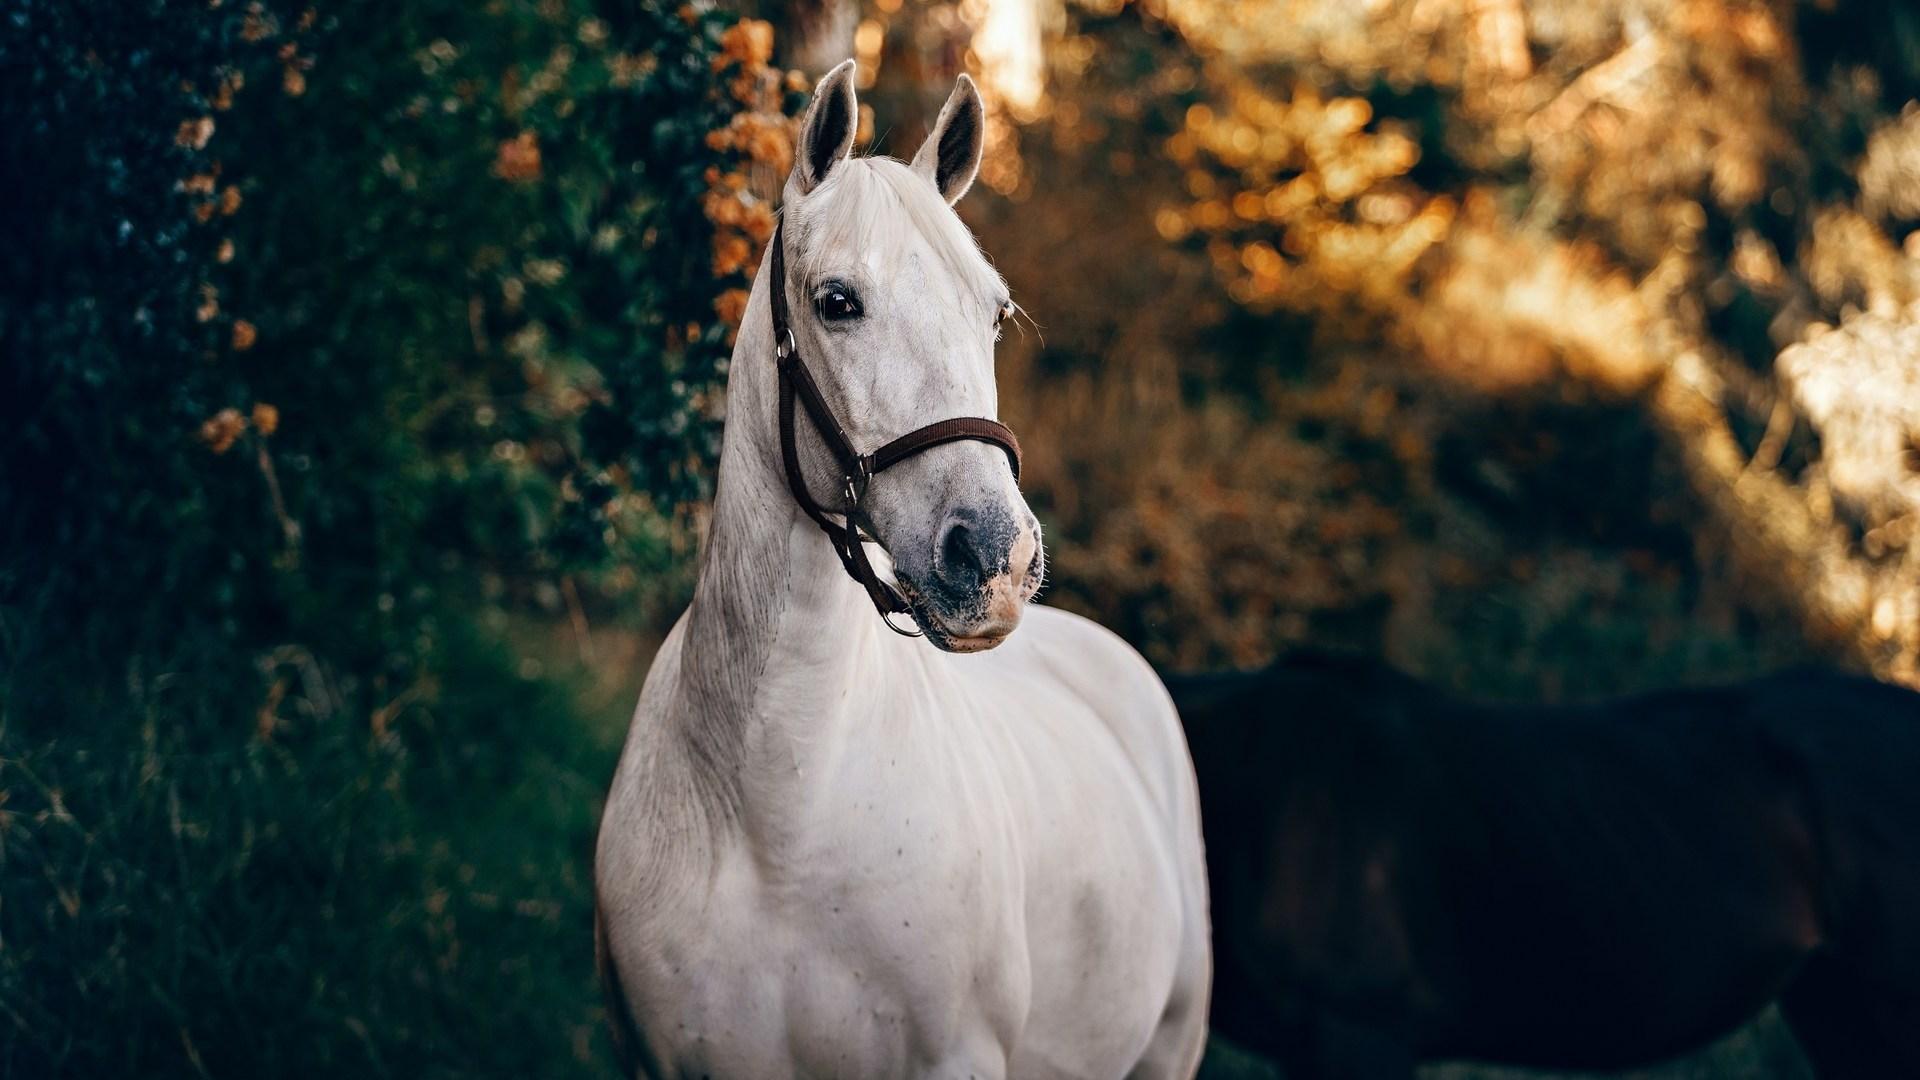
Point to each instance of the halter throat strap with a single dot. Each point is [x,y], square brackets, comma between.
[856,469]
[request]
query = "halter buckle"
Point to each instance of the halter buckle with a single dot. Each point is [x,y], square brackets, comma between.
[856,483]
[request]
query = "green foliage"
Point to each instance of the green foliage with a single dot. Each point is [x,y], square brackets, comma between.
[321,904]
[465,261]
[331,334]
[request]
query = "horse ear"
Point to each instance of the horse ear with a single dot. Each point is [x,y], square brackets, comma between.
[951,155]
[826,135]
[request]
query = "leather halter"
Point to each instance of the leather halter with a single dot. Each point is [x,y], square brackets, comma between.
[856,469]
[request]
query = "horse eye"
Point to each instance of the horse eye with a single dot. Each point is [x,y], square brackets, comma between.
[838,303]
[1006,310]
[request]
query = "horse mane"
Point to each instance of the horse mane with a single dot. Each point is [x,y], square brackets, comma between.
[863,195]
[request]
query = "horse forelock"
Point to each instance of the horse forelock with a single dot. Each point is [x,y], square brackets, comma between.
[871,205]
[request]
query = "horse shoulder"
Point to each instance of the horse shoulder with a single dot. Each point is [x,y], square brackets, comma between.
[659,832]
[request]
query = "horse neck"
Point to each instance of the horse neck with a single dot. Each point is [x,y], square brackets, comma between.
[778,637]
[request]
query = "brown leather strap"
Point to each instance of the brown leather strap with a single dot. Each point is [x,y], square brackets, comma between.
[945,431]
[856,469]
[795,380]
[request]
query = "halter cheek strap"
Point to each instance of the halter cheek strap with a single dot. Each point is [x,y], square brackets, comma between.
[856,469]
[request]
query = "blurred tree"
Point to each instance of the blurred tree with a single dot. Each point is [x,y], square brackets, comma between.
[333,332]
[821,33]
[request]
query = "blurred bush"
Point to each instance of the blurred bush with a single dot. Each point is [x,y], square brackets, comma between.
[1637,202]
[346,334]
[333,335]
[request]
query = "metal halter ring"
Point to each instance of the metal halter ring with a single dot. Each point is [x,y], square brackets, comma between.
[784,349]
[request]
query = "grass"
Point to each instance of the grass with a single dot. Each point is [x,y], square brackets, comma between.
[326,900]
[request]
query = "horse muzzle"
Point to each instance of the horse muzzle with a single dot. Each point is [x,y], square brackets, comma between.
[985,568]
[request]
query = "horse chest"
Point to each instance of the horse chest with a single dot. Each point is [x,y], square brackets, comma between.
[884,941]
[953,884]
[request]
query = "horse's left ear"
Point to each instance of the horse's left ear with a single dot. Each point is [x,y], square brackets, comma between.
[951,155]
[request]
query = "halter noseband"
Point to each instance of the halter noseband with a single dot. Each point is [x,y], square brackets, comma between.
[856,469]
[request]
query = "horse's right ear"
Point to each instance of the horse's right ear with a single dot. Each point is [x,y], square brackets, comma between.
[826,135]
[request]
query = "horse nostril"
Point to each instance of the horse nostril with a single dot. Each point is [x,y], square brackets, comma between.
[958,552]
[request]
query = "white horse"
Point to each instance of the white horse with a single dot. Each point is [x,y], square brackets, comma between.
[833,851]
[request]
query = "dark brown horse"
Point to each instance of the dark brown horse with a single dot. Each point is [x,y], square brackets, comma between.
[1399,876]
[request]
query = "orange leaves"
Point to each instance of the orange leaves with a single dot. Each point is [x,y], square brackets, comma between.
[221,430]
[731,253]
[748,42]
[731,306]
[206,205]
[1756,30]
[764,138]
[759,141]
[517,161]
[742,226]
[258,25]
[230,84]
[193,134]
[1321,217]
[741,210]
[1266,135]
[748,46]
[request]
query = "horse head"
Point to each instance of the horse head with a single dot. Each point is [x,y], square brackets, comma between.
[896,312]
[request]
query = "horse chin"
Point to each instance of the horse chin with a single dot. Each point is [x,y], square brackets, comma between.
[991,622]
[971,644]
[962,635]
